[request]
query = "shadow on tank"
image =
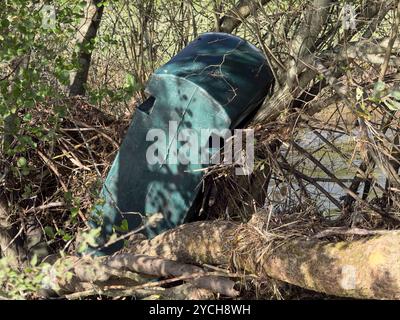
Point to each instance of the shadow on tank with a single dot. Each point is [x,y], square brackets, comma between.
[215,83]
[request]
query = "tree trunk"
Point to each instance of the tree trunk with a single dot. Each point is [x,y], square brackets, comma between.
[236,15]
[365,268]
[86,34]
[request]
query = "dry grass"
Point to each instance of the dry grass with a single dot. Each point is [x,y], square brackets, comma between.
[66,172]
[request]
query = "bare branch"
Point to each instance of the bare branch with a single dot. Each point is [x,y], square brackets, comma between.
[236,15]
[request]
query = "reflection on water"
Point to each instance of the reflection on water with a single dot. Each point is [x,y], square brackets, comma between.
[342,162]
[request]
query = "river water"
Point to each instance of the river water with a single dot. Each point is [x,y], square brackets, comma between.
[282,193]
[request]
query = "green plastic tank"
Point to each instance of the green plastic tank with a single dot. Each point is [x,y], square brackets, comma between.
[216,82]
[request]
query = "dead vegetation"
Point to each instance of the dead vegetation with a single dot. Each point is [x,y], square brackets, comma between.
[317,218]
[68,172]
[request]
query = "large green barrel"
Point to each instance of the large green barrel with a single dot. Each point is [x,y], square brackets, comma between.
[213,83]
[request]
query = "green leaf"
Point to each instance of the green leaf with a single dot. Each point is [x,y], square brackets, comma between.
[359,93]
[49,232]
[395,94]
[392,104]
[379,86]
[68,196]
[21,162]
[124,227]
[130,80]
[34,260]
[113,238]
[82,4]
[74,212]
[27,117]
[91,237]
[67,237]
[25,171]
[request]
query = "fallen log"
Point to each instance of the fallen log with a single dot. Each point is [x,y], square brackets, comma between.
[368,267]
[364,268]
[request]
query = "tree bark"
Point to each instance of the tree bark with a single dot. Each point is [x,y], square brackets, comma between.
[236,15]
[87,275]
[86,34]
[365,268]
